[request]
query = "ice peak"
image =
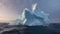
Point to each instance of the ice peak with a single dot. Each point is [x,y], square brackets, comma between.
[34,7]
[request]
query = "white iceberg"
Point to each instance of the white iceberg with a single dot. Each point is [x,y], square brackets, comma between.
[33,18]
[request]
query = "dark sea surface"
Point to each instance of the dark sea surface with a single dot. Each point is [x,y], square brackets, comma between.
[53,28]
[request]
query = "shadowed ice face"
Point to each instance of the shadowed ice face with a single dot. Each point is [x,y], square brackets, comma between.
[28,14]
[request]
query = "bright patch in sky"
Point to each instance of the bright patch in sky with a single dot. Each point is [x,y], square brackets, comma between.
[7,12]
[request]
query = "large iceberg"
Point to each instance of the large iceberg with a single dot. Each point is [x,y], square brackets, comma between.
[37,17]
[33,17]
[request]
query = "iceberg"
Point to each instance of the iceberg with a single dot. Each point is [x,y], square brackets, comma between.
[33,18]
[37,17]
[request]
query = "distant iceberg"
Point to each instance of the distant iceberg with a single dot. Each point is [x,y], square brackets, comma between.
[33,18]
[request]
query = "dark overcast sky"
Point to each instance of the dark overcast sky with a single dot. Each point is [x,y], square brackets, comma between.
[11,9]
